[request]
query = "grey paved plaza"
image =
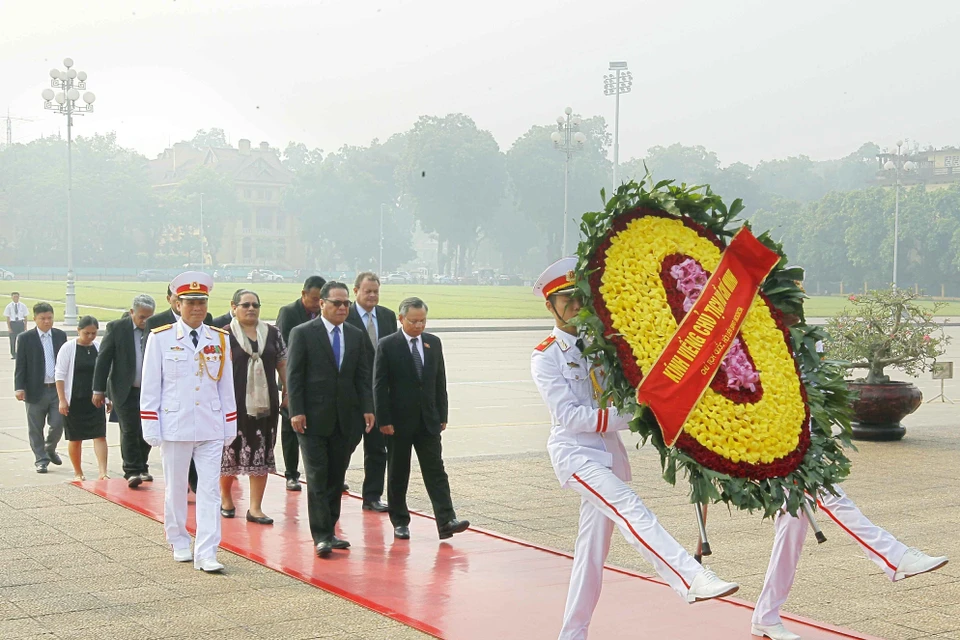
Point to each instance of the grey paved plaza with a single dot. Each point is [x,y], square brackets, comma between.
[75,566]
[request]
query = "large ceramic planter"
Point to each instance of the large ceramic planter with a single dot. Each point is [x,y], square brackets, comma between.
[879,408]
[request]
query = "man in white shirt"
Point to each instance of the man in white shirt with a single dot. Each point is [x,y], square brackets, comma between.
[16,315]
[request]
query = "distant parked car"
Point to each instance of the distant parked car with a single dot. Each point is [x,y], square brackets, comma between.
[509,280]
[443,279]
[264,275]
[6,275]
[398,277]
[154,275]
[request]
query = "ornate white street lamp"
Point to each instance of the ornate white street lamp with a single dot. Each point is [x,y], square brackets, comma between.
[615,84]
[567,138]
[70,82]
[899,165]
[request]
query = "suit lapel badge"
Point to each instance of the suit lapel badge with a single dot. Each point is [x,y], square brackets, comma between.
[425,345]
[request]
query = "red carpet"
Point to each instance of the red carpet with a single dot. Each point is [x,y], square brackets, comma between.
[476,585]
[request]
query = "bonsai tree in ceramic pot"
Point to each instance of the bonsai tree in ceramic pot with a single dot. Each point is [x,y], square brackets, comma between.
[880,329]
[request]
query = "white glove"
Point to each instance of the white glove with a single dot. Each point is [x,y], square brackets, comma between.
[153,442]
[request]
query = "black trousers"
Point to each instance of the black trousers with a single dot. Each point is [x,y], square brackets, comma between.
[325,461]
[290,447]
[429,453]
[133,449]
[16,328]
[374,464]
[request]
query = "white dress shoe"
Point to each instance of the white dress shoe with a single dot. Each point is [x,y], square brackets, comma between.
[915,562]
[208,565]
[773,631]
[707,585]
[183,555]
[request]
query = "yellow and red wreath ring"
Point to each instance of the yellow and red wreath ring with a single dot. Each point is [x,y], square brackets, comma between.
[757,433]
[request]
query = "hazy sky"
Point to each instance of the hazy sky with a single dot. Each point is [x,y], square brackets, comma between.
[748,79]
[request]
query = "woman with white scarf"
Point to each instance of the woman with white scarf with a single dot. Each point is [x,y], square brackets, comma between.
[259,356]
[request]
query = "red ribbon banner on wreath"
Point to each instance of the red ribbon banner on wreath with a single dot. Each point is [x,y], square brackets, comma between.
[685,369]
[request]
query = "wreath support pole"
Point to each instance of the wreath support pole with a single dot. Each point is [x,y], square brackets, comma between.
[703,545]
[808,511]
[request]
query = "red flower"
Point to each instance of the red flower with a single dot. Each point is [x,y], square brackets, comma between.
[852,298]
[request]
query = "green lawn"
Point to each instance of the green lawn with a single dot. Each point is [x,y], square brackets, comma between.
[107,300]
[445,302]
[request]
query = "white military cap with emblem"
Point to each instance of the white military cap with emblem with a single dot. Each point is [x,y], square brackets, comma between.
[192,284]
[560,277]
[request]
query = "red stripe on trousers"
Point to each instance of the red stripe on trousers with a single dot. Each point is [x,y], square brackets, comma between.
[629,526]
[856,537]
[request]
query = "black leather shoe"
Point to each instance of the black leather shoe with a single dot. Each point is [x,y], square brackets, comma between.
[401,533]
[454,526]
[55,458]
[324,548]
[346,487]
[375,505]
[228,513]
[134,481]
[293,485]
[260,520]
[41,468]
[337,543]
[146,477]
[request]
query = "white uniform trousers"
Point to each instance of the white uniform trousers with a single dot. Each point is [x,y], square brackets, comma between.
[606,501]
[207,456]
[878,544]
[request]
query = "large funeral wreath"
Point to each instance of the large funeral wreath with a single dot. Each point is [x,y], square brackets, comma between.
[775,419]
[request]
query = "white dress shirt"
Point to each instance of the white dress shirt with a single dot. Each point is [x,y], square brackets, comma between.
[49,359]
[329,326]
[419,340]
[372,315]
[15,311]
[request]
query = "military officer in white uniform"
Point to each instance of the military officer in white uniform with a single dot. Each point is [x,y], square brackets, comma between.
[188,408]
[589,457]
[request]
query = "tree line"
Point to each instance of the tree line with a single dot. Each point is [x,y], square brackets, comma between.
[485,206]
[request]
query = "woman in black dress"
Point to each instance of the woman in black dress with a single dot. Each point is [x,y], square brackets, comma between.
[74,379]
[259,356]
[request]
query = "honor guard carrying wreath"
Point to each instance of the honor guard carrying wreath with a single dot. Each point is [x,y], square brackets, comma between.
[188,408]
[589,457]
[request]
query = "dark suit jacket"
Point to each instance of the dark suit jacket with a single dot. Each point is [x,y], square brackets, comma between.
[386,321]
[116,361]
[166,317]
[30,367]
[401,398]
[316,389]
[222,321]
[290,316]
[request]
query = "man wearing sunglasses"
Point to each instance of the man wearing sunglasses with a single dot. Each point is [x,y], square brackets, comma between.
[330,399]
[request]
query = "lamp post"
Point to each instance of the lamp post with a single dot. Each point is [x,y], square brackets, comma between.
[70,81]
[202,236]
[567,138]
[898,166]
[380,263]
[615,84]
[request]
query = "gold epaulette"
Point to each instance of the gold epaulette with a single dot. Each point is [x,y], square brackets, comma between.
[162,327]
[546,343]
[223,331]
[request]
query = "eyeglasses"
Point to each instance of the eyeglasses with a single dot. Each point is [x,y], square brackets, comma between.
[249,305]
[337,303]
[416,323]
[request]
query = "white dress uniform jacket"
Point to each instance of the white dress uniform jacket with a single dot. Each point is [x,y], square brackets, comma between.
[580,431]
[179,398]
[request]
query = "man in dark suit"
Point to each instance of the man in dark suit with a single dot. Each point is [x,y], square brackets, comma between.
[34,384]
[171,316]
[377,322]
[117,376]
[302,310]
[331,403]
[410,395]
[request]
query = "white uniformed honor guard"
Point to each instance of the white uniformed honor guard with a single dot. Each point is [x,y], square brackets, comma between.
[589,457]
[188,408]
